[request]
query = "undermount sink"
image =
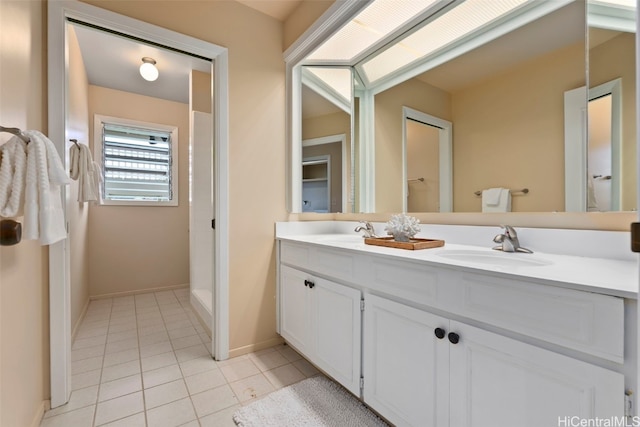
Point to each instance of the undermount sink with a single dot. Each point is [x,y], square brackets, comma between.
[494,258]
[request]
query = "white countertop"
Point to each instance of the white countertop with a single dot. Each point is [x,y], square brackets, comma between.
[616,277]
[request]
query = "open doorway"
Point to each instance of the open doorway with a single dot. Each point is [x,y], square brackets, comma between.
[62,16]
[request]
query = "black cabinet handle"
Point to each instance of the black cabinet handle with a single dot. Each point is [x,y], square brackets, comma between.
[440,333]
[454,338]
[311,285]
[306,283]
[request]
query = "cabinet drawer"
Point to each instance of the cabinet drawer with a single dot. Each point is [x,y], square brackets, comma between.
[583,321]
[294,254]
[405,280]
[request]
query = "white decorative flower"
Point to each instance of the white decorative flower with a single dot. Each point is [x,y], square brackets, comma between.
[402,227]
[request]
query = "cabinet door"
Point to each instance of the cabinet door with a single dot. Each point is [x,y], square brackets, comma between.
[497,381]
[406,367]
[336,332]
[295,308]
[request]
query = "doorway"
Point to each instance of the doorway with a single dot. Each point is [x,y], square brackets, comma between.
[59,13]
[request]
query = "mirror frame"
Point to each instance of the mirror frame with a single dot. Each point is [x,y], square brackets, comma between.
[336,16]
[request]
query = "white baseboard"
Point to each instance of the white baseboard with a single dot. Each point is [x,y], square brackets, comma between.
[42,408]
[255,347]
[137,292]
[74,330]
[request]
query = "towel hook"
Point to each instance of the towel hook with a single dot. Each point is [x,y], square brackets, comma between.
[17,132]
[75,141]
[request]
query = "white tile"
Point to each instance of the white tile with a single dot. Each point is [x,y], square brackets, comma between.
[129,318]
[241,369]
[171,415]
[150,322]
[120,407]
[233,360]
[85,379]
[290,354]
[182,332]
[222,418]
[165,393]
[121,357]
[178,324]
[122,327]
[122,370]
[154,349]
[176,317]
[149,318]
[193,423]
[117,346]
[192,352]
[283,376]
[306,368]
[200,364]
[84,397]
[86,353]
[184,342]
[92,332]
[152,334]
[205,381]
[268,360]
[78,418]
[86,365]
[251,387]
[214,400]
[137,420]
[120,387]
[143,310]
[161,376]
[158,361]
[89,342]
[119,336]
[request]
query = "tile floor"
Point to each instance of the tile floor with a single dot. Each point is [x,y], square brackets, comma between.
[143,360]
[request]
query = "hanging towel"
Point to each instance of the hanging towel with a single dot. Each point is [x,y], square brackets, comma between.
[13,169]
[43,213]
[86,172]
[496,200]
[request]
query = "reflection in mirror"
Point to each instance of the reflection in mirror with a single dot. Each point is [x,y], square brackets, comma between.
[504,100]
[326,140]
[611,170]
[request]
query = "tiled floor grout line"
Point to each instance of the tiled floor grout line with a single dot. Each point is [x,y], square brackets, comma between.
[265,371]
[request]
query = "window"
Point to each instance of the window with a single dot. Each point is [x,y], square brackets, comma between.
[138,161]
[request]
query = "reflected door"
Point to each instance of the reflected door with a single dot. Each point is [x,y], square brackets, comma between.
[423,171]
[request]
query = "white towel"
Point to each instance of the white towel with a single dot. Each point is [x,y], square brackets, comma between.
[43,213]
[496,200]
[13,169]
[86,172]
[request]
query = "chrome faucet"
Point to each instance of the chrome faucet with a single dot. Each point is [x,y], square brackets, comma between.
[509,241]
[368,229]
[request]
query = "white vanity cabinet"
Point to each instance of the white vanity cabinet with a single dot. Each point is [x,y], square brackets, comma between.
[448,346]
[322,319]
[425,370]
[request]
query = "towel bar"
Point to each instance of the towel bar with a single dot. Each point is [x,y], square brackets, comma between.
[523,191]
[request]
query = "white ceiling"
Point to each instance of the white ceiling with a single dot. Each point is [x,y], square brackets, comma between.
[113,61]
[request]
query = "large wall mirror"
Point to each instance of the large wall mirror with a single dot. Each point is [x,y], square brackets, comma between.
[437,117]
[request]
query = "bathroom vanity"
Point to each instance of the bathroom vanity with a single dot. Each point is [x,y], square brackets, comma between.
[463,335]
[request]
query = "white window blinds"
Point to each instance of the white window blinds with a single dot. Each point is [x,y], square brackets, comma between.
[136,164]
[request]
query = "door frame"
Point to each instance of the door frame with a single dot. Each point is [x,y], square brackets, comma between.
[445,156]
[59,260]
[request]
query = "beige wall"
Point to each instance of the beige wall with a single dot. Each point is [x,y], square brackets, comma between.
[508,131]
[135,248]
[257,144]
[200,91]
[302,18]
[423,161]
[24,309]
[388,134]
[77,213]
[608,61]
[326,125]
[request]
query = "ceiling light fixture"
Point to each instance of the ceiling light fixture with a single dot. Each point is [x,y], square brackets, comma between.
[148,69]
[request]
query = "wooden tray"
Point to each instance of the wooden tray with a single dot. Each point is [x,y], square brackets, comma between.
[413,244]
